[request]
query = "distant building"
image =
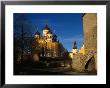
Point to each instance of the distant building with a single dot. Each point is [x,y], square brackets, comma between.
[48,43]
[81,50]
[71,55]
[74,50]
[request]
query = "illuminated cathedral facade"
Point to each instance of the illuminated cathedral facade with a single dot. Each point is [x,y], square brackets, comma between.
[48,43]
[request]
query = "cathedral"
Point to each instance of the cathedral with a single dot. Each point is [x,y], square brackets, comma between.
[48,44]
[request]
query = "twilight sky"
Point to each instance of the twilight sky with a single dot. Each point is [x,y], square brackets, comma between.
[67,26]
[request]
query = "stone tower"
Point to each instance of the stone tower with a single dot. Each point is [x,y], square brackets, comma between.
[90,32]
[90,39]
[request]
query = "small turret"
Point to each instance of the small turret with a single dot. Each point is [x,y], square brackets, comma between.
[54,37]
[37,35]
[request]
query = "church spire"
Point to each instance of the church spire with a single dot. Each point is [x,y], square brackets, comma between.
[75,46]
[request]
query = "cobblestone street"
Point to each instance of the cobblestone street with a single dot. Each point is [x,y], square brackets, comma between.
[53,71]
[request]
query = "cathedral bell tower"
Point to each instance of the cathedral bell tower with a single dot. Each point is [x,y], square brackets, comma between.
[37,35]
[49,36]
[45,30]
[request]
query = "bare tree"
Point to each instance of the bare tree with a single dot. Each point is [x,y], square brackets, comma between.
[23,38]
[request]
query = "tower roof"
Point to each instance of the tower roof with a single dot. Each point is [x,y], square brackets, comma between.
[46,27]
[74,47]
[37,33]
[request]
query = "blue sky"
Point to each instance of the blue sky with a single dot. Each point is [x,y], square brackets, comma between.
[67,26]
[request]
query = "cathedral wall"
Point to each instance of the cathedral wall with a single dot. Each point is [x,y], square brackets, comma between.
[52,48]
[55,47]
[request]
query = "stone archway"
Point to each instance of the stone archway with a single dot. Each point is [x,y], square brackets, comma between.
[88,62]
[90,65]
